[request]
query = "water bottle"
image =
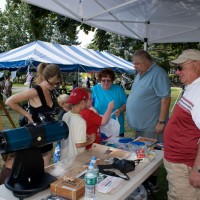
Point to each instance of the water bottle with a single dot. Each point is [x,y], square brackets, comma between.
[96,168]
[90,183]
[56,155]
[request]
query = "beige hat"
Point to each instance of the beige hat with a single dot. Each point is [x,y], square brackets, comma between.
[190,54]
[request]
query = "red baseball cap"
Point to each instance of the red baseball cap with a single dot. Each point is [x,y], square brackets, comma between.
[77,95]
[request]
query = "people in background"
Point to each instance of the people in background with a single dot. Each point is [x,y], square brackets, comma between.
[148,103]
[94,81]
[88,82]
[182,133]
[40,100]
[93,119]
[8,87]
[74,84]
[77,141]
[29,79]
[106,92]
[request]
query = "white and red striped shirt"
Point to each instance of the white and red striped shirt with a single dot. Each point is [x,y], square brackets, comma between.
[182,133]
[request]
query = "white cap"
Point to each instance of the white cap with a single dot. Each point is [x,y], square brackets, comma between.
[190,54]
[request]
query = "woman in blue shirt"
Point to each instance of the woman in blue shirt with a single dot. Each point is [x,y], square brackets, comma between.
[105,92]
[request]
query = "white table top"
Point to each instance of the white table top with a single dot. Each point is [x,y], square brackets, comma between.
[137,177]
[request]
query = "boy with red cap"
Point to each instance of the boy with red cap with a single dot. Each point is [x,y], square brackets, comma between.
[77,140]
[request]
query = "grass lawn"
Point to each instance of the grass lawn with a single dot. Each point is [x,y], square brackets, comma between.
[162,194]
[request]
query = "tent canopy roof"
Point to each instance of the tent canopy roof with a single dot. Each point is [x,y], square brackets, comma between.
[158,21]
[69,58]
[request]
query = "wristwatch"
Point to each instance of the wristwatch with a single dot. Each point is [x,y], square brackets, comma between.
[197,169]
[161,122]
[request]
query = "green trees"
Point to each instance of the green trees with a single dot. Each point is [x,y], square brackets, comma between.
[22,23]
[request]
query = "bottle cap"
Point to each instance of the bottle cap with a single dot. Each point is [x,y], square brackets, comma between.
[93,158]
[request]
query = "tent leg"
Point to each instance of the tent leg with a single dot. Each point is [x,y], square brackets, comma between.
[7,113]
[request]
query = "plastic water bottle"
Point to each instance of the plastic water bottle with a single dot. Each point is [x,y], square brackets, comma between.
[96,168]
[90,183]
[56,155]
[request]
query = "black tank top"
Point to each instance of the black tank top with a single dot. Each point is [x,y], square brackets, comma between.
[44,108]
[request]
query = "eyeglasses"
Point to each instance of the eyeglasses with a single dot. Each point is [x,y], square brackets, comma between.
[106,80]
[180,67]
[56,83]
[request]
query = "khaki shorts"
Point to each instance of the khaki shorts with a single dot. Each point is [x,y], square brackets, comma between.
[178,180]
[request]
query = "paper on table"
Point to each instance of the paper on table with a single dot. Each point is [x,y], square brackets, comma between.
[109,183]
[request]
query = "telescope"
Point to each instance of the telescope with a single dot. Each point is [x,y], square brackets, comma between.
[28,176]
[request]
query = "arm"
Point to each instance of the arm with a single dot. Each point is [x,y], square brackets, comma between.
[194,176]
[165,104]
[120,110]
[14,101]
[90,140]
[107,114]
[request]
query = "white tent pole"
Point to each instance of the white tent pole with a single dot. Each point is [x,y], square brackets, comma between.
[145,44]
[146,38]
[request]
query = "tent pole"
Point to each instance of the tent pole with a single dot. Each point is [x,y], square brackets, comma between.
[146,38]
[145,43]
[78,78]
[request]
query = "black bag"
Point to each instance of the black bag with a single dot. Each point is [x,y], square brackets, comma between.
[124,166]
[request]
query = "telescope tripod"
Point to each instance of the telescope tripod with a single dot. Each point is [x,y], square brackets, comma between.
[28,176]
[2,106]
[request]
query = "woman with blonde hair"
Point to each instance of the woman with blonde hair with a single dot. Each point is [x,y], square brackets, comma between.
[40,102]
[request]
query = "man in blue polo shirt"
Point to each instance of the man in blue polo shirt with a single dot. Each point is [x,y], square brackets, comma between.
[148,104]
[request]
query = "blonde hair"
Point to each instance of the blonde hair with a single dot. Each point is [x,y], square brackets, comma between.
[48,71]
[62,98]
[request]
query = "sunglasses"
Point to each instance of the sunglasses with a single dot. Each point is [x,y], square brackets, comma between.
[56,83]
[179,68]
[106,80]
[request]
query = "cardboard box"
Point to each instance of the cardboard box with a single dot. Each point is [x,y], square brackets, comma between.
[71,188]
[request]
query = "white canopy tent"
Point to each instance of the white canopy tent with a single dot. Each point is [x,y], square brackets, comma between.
[151,21]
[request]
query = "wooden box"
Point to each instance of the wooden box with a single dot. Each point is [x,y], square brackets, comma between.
[71,188]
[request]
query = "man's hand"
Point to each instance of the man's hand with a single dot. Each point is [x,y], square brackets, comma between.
[194,178]
[159,128]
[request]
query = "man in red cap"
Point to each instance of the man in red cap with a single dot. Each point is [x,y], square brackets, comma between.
[77,140]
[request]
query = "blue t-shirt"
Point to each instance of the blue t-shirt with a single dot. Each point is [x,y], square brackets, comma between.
[144,101]
[101,99]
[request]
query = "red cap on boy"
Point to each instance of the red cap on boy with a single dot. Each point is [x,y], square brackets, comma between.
[77,95]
